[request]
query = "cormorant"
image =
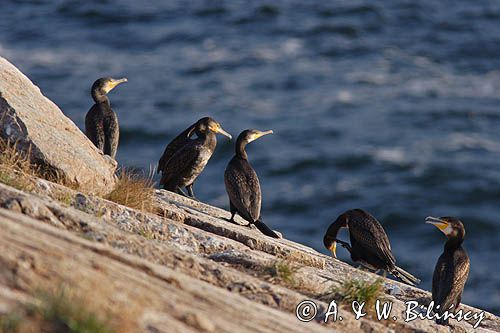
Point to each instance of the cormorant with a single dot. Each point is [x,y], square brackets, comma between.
[189,160]
[242,184]
[177,143]
[101,123]
[369,243]
[452,267]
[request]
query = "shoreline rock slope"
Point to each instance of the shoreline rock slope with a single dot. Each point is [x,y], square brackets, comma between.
[183,268]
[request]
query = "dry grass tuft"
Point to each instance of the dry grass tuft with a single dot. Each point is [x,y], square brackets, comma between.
[134,190]
[361,291]
[10,323]
[56,311]
[61,310]
[17,168]
[146,232]
[63,197]
[282,270]
[12,158]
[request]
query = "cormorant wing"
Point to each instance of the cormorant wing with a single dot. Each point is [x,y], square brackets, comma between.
[367,231]
[177,143]
[94,127]
[243,188]
[182,160]
[111,135]
[449,279]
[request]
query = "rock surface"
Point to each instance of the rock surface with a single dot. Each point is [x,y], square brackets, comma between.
[185,269]
[30,119]
[158,298]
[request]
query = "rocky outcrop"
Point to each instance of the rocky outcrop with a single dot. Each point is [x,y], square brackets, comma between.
[222,272]
[152,297]
[36,124]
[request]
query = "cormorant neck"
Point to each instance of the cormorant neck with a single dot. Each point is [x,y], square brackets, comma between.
[240,149]
[332,232]
[100,98]
[453,243]
[207,136]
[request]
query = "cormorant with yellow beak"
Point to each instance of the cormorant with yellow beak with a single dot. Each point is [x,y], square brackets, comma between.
[452,268]
[187,163]
[242,184]
[369,243]
[101,122]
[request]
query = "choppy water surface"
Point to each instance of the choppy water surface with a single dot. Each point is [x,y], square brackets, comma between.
[390,106]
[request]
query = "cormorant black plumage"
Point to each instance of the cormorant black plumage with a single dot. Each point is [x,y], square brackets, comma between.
[175,145]
[101,122]
[369,243]
[189,160]
[452,268]
[242,184]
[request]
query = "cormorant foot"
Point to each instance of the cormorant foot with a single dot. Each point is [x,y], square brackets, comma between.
[231,220]
[363,268]
[194,198]
[191,192]
[181,192]
[234,222]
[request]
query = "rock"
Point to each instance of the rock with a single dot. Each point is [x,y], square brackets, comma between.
[127,288]
[220,259]
[34,122]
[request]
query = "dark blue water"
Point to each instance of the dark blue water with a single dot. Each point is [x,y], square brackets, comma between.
[390,106]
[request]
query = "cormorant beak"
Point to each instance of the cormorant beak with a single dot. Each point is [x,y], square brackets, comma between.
[110,85]
[333,249]
[260,134]
[221,131]
[440,224]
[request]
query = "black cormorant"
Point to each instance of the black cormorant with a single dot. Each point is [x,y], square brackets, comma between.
[242,184]
[189,160]
[101,123]
[177,143]
[452,267]
[369,243]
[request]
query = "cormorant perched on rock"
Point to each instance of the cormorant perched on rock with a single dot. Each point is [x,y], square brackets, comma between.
[452,267]
[369,243]
[191,157]
[101,123]
[242,184]
[177,143]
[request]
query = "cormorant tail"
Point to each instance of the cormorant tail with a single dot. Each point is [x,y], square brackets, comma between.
[265,229]
[404,276]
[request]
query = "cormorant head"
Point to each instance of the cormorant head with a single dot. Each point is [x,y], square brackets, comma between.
[330,239]
[208,124]
[450,226]
[250,135]
[104,85]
